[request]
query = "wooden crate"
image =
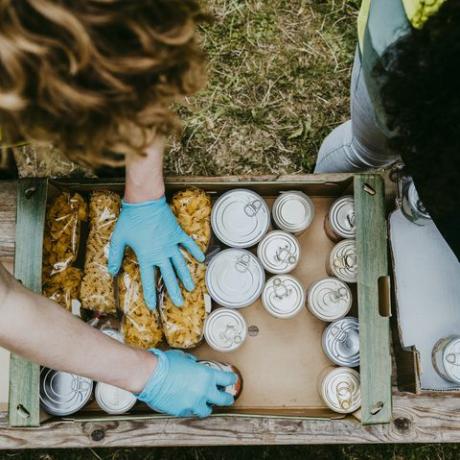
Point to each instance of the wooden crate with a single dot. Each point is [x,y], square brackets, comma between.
[372,283]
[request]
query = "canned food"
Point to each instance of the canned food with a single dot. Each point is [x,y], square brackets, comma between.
[283,296]
[240,218]
[235,389]
[293,212]
[341,342]
[412,207]
[62,393]
[279,252]
[446,358]
[114,334]
[114,400]
[329,299]
[225,330]
[343,261]
[235,278]
[340,389]
[340,221]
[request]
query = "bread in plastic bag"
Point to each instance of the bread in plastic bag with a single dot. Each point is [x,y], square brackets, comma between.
[183,326]
[97,289]
[140,326]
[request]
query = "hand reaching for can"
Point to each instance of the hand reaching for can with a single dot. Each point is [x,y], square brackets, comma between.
[183,387]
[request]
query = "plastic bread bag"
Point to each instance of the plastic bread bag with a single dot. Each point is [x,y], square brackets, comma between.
[62,233]
[97,289]
[140,326]
[183,326]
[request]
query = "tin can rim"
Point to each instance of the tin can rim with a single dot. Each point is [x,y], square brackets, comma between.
[282,199]
[348,276]
[354,374]
[356,359]
[300,303]
[99,395]
[333,215]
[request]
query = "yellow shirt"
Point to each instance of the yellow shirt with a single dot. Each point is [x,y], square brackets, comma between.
[417,11]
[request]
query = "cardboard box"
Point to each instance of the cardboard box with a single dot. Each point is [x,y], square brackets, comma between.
[282,359]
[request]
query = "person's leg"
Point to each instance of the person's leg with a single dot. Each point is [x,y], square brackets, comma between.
[357,144]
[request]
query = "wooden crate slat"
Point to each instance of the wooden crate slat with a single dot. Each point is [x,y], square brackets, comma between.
[374,331]
[24,403]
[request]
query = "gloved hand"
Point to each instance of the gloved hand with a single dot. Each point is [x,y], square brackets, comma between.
[182,387]
[151,230]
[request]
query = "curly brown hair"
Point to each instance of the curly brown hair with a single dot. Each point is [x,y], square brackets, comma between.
[96,76]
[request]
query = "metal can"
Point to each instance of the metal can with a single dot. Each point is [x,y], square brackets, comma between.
[341,342]
[329,299]
[340,389]
[225,330]
[62,393]
[235,278]
[293,212]
[283,296]
[411,205]
[240,218]
[235,389]
[114,400]
[279,252]
[446,358]
[343,261]
[340,221]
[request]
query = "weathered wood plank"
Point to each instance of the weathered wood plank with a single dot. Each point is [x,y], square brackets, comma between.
[374,329]
[422,418]
[7,220]
[24,404]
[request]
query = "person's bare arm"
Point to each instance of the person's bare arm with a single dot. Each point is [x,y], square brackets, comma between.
[43,332]
[144,175]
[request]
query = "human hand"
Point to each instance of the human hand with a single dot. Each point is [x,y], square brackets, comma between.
[151,230]
[182,387]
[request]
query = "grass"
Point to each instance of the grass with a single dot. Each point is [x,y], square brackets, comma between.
[279,75]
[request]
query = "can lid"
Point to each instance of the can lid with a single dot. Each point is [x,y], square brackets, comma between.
[279,252]
[329,299]
[240,218]
[342,217]
[451,359]
[225,329]
[293,211]
[114,334]
[235,278]
[343,261]
[283,296]
[62,393]
[416,202]
[114,400]
[341,342]
[341,390]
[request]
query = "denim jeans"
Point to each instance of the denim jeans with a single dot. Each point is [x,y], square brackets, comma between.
[358,144]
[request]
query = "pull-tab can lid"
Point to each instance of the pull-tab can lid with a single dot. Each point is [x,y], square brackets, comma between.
[235,278]
[341,390]
[225,330]
[114,400]
[283,296]
[342,217]
[343,261]
[451,359]
[341,342]
[240,218]
[279,252]
[62,393]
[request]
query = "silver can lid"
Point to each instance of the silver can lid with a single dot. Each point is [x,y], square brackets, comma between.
[225,330]
[283,296]
[114,334]
[329,299]
[451,359]
[114,400]
[279,252]
[342,217]
[293,211]
[415,202]
[240,218]
[62,393]
[341,342]
[343,261]
[235,278]
[341,390]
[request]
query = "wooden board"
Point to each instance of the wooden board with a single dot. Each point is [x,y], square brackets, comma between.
[24,404]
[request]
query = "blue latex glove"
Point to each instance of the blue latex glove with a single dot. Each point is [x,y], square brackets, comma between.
[182,387]
[151,230]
